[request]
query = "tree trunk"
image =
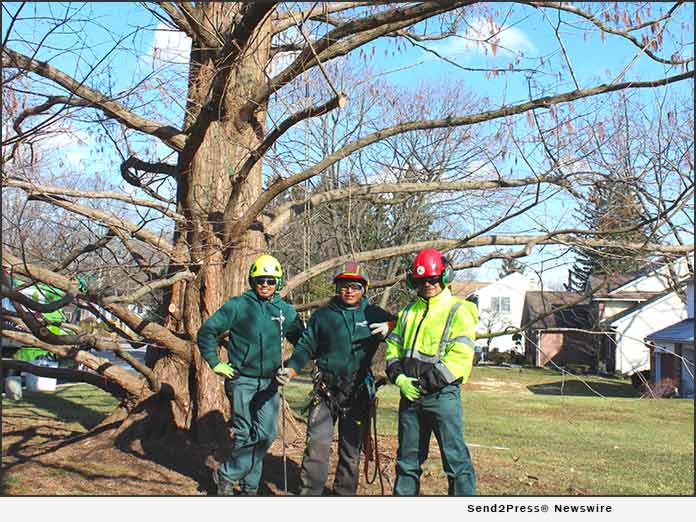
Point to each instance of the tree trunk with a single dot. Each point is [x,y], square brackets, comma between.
[204,188]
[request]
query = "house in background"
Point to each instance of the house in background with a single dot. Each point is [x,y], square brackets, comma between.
[672,358]
[627,291]
[558,330]
[635,305]
[627,352]
[500,305]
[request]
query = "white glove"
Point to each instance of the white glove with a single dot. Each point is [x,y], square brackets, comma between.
[380,330]
[284,375]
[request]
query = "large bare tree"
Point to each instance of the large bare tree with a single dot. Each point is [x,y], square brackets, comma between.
[204,195]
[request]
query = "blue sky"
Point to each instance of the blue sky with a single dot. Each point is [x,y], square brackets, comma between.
[525,31]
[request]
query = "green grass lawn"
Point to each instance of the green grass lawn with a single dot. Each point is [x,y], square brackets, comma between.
[530,432]
[563,436]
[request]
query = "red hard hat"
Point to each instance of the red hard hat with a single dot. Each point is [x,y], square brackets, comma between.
[428,263]
[352,271]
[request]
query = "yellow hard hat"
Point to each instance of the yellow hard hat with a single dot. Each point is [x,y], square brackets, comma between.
[268,266]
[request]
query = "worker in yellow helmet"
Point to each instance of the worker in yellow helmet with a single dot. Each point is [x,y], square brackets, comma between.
[256,321]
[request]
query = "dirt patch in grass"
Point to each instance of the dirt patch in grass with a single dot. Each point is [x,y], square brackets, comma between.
[489,384]
[56,459]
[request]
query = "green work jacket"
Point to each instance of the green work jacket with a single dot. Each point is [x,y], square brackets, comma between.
[339,338]
[433,340]
[253,345]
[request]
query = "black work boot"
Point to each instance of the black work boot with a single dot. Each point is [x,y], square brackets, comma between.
[224,486]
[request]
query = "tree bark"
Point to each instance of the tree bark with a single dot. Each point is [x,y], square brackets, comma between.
[207,182]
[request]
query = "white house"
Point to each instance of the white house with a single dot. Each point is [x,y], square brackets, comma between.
[634,306]
[638,287]
[500,305]
[632,354]
[673,355]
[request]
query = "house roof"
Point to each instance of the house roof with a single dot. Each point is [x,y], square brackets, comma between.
[538,303]
[618,281]
[681,332]
[639,307]
[466,288]
[625,296]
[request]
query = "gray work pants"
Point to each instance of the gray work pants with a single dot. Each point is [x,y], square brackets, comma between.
[315,462]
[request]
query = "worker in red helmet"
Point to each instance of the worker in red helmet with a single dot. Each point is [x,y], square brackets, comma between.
[430,352]
[339,338]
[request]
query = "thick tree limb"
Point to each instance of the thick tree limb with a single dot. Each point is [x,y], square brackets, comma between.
[149,288]
[179,19]
[170,136]
[109,220]
[156,334]
[65,374]
[349,36]
[34,188]
[284,21]
[562,237]
[132,384]
[293,208]
[83,341]
[235,230]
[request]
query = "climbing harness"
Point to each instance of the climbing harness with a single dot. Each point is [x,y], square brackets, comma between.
[338,393]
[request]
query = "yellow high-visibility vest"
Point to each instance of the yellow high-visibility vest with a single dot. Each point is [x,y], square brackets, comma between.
[440,330]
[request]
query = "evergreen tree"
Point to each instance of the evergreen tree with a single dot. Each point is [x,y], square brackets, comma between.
[612,207]
[509,266]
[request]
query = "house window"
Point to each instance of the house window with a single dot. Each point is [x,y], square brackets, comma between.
[500,304]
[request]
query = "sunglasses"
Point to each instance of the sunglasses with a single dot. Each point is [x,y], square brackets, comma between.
[269,281]
[358,287]
[432,281]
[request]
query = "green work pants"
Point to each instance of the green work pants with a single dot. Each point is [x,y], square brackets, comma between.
[439,413]
[255,404]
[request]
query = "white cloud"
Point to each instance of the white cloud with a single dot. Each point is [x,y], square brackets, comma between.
[508,40]
[168,47]
[280,61]
[66,143]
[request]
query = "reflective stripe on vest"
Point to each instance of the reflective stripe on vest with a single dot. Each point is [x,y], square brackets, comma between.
[436,360]
[445,335]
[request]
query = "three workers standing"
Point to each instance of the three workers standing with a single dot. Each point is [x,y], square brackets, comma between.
[429,354]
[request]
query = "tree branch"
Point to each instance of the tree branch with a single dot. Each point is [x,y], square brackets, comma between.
[172,137]
[564,237]
[35,189]
[92,247]
[132,384]
[149,288]
[109,220]
[564,6]
[283,213]
[234,230]
[66,374]
[284,21]
[272,137]
[349,36]
[153,332]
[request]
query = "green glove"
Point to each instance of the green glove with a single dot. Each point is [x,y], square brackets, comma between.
[224,369]
[405,384]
